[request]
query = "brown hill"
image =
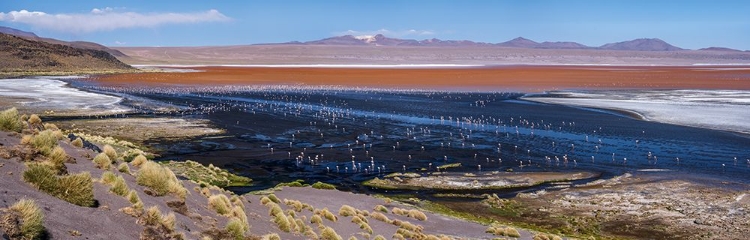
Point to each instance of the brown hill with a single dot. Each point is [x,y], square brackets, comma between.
[23,55]
[76,44]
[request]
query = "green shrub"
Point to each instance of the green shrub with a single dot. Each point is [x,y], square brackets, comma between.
[32,224]
[111,152]
[159,180]
[220,203]
[102,161]
[77,189]
[235,228]
[10,121]
[322,185]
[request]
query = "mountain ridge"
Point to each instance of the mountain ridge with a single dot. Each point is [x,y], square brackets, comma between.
[640,44]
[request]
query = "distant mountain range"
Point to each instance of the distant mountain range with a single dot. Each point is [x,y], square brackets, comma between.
[641,44]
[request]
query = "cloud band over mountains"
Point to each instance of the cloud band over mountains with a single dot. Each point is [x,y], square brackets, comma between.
[107,19]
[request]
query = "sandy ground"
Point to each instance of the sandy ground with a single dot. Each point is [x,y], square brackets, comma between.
[523,78]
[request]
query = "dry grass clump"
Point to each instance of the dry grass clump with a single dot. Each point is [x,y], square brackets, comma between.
[45,141]
[379,237]
[206,175]
[399,211]
[236,228]
[77,189]
[274,236]
[123,168]
[546,236]
[10,121]
[416,214]
[380,217]
[57,159]
[152,216]
[160,180]
[102,161]
[34,120]
[381,208]
[111,152]
[220,203]
[347,210]
[31,218]
[78,142]
[51,126]
[503,231]
[273,198]
[296,205]
[138,160]
[316,219]
[329,234]
[133,197]
[108,178]
[325,213]
[119,187]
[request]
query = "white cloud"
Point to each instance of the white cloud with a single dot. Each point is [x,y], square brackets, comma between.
[120,43]
[386,32]
[107,19]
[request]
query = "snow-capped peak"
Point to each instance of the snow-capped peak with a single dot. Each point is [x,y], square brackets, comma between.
[366,38]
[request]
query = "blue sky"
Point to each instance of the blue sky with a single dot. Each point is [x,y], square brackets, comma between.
[686,24]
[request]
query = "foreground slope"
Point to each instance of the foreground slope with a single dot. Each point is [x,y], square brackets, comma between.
[20,56]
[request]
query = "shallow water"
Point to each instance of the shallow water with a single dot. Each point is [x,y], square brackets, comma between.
[347,136]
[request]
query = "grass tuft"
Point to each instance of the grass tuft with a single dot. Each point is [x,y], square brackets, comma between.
[57,159]
[416,214]
[78,142]
[138,160]
[119,187]
[10,121]
[381,208]
[45,141]
[133,197]
[220,203]
[111,152]
[102,161]
[347,210]
[123,168]
[152,216]
[273,198]
[329,234]
[160,180]
[77,189]
[32,226]
[235,228]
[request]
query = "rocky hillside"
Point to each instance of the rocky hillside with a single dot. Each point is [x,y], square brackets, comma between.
[19,55]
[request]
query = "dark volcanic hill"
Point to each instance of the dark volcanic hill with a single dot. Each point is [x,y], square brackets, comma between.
[19,54]
[641,44]
[76,44]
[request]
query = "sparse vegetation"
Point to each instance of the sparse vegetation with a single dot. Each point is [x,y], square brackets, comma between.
[32,218]
[57,159]
[119,187]
[77,189]
[381,208]
[322,185]
[45,141]
[273,198]
[205,174]
[10,121]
